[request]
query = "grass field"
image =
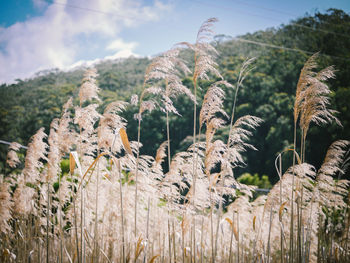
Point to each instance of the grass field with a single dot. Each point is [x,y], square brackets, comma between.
[86,194]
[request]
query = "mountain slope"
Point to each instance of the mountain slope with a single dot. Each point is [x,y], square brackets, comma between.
[268,91]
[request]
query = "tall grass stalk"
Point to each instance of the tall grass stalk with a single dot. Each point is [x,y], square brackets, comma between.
[169,239]
[60,218]
[269,237]
[47,222]
[218,220]
[137,172]
[281,202]
[82,209]
[167,123]
[202,237]
[174,241]
[147,230]
[231,238]
[211,227]
[118,168]
[75,221]
[96,236]
[238,238]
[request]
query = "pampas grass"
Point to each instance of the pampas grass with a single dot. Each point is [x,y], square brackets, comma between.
[117,205]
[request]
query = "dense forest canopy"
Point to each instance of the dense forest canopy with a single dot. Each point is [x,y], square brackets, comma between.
[268,91]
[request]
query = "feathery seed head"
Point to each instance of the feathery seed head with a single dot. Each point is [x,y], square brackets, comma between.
[134,99]
[213,102]
[110,121]
[336,158]
[238,137]
[12,158]
[88,89]
[161,153]
[5,208]
[54,155]
[165,70]
[312,96]
[35,153]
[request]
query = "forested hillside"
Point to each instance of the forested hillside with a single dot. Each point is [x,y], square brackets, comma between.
[267,92]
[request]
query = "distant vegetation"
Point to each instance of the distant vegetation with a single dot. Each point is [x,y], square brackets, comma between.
[142,163]
[268,91]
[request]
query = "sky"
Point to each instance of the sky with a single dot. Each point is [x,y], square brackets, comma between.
[36,35]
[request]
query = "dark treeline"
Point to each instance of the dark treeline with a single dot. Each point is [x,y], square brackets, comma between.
[268,91]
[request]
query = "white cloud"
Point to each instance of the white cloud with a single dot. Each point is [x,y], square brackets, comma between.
[40,4]
[125,53]
[119,44]
[55,38]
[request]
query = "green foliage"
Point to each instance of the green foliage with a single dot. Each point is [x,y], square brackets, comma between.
[162,202]
[65,166]
[127,178]
[268,92]
[261,182]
